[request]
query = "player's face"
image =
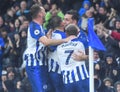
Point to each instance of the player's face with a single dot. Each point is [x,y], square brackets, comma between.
[42,14]
[67,19]
[43,11]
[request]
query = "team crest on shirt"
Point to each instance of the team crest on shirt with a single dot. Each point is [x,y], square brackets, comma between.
[36,32]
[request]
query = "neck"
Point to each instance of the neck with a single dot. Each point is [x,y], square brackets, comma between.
[37,21]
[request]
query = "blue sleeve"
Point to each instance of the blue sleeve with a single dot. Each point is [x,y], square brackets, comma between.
[83,38]
[63,35]
[36,31]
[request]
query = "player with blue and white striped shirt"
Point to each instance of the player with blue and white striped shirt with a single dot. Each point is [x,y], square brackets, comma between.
[53,61]
[35,53]
[75,74]
[72,16]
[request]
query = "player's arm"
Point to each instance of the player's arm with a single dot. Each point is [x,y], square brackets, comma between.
[79,56]
[46,41]
[40,36]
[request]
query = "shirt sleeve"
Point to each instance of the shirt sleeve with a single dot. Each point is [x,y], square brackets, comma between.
[115,35]
[36,31]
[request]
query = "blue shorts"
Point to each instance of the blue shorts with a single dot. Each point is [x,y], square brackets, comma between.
[80,86]
[38,77]
[56,81]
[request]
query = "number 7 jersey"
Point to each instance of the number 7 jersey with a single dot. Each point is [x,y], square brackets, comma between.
[72,70]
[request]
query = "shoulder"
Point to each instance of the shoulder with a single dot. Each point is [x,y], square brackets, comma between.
[36,30]
[35,26]
[59,34]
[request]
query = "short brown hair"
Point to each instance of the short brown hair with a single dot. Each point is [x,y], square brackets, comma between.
[35,9]
[71,29]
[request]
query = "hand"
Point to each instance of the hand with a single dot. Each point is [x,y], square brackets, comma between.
[97,67]
[48,1]
[115,72]
[105,34]
[39,1]
[8,38]
[79,56]
[17,43]
[92,9]
[105,30]
[49,33]
[11,25]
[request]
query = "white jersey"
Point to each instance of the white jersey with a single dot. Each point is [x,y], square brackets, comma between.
[53,60]
[72,70]
[35,52]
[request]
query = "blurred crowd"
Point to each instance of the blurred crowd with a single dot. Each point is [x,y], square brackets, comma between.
[15,18]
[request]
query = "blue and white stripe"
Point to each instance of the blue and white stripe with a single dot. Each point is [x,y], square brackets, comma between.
[75,74]
[54,66]
[33,58]
[72,70]
[35,53]
[53,61]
